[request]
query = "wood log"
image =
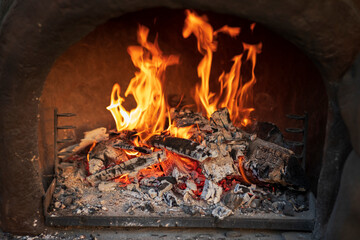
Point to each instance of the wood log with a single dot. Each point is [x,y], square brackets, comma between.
[271,163]
[183,147]
[221,118]
[131,167]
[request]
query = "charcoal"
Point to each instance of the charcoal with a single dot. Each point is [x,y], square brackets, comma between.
[288,210]
[188,209]
[221,118]
[255,203]
[219,167]
[170,179]
[164,186]
[241,189]
[95,165]
[270,132]
[149,207]
[96,135]
[170,199]
[183,147]
[221,212]
[149,182]
[211,192]
[131,167]
[152,193]
[231,200]
[271,163]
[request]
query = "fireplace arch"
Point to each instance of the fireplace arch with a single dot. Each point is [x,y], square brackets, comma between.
[34,34]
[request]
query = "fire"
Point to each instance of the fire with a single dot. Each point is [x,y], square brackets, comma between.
[242,171]
[149,117]
[234,94]
[124,180]
[146,87]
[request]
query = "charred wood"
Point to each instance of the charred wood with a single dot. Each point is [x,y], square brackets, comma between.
[271,163]
[131,167]
[183,147]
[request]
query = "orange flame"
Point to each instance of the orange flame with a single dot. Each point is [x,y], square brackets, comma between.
[242,171]
[146,87]
[124,180]
[233,93]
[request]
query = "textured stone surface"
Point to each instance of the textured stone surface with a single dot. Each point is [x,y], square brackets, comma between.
[345,218]
[34,33]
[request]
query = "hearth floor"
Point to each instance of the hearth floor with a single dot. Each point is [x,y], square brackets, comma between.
[163,234]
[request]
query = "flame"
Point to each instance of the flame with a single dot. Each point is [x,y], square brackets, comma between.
[233,93]
[132,152]
[91,148]
[149,116]
[242,171]
[124,180]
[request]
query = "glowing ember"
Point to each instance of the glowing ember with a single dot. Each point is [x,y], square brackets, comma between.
[241,168]
[124,180]
[151,114]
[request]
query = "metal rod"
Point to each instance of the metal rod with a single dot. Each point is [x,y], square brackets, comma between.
[306,124]
[303,131]
[294,130]
[66,114]
[56,159]
[297,117]
[65,127]
[56,141]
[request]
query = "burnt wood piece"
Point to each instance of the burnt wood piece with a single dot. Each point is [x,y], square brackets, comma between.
[183,147]
[121,144]
[221,118]
[105,152]
[271,163]
[131,167]
[268,131]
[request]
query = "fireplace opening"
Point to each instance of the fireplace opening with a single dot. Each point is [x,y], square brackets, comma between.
[81,79]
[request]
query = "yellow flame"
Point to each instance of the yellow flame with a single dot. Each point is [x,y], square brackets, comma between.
[149,116]
[233,93]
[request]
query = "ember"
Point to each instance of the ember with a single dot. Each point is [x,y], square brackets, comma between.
[177,157]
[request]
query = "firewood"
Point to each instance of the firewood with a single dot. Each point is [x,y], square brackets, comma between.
[131,167]
[183,147]
[105,152]
[219,167]
[271,163]
[221,118]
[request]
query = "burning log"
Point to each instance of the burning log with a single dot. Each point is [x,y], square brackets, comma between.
[121,144]
[131,167]
[271,163]
[219,167]
[183,147]
[221,118]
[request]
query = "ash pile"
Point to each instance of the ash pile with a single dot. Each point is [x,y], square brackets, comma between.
[216,170]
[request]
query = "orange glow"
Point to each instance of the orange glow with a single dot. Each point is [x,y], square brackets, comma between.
[91,148]
[149,116]
[233,93]
[132,152]
[242,171]
[252,26]
[124,180]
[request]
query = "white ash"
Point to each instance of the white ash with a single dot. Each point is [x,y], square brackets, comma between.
[211,192]
[95,165]
[158,197]
[107,186]
[221,212]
